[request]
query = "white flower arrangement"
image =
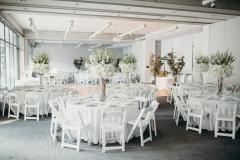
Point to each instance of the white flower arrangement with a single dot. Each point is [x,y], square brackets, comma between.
[41,63]
[102,63]
[128,64]
[202,63]
[221,64]
[40,68]
[222,70]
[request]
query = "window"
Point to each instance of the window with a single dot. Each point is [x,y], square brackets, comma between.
[9,58]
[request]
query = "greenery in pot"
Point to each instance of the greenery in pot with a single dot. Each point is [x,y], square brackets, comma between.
[203,63]
[155,64]
[221,66]
[175,65]
[78,62]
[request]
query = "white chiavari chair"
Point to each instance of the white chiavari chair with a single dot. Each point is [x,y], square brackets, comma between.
[70,126]
[143,120]
[14,104]
[179,109]
[32,106]
[57,118]
[225,113]
[195,111]
[113,120]
[3,99]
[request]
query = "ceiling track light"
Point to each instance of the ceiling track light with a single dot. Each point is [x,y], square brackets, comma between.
[205,2]
[132,31]
[79,45]
[33,28]
[68,29]
[107,26]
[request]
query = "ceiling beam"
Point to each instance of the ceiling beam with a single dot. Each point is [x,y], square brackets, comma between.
[125,9]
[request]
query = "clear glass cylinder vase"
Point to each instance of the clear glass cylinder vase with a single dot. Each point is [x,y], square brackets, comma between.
[102,86]
[220,86]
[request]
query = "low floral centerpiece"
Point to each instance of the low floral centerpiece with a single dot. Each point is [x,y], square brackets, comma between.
[221,66]
[128,65]
[101,63]
[41,64]
[175,65]
[202,65]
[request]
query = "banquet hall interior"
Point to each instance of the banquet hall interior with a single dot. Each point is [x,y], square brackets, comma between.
[127,79]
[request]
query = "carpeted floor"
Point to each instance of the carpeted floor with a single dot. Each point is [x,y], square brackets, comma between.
[30,140]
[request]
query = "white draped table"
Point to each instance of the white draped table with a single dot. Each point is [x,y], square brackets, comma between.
[208,96]
[91,109]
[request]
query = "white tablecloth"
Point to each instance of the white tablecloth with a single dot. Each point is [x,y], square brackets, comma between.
[91,112]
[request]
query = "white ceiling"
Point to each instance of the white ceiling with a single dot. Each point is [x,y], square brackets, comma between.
[52,22]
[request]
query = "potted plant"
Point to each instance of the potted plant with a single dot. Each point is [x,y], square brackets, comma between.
[101,63]
[128,65]
[155,63]
[41,64]
[202,65]
[175,65]
[221,66]
[78,63]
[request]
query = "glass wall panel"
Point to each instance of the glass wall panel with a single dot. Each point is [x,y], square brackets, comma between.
[6,34]
[9,57]
[1,30]
[3,65]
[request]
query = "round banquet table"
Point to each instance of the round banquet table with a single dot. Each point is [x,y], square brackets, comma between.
[91,109]
[207,95]
[43,93]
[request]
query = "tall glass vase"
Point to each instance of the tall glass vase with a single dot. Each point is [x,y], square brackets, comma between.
[128,79]
[102,84]
[41,79]
[220,86]
[201,76]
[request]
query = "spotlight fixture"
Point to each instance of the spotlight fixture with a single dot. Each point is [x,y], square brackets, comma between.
[205,2]
[68,29]
[100,31]
[33,27]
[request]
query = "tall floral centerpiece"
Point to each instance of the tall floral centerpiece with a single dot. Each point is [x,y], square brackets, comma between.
[221,66]
[101,63]
[128,65]
[202,65]
[175,65]
[41,64]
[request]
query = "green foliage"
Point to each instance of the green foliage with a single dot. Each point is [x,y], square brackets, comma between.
[129,59]
[78,62]
[222,58]
[202,60]
[155,64]
[41,58]
[176,66]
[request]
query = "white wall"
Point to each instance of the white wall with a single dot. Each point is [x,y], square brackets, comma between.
[138,49]
[219,36]
[226,35]
[62,58]
[182,46]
